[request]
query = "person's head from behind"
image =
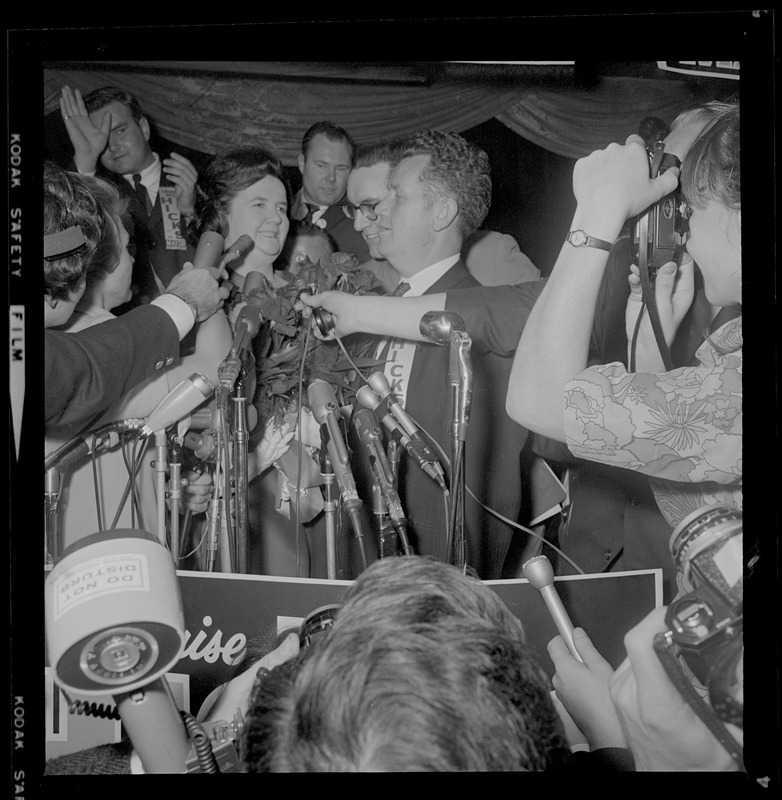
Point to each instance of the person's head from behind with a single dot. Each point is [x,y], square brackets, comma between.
[128,150]
[367,186]
[306,243]
[110,271]
[325,162]
[711,184]
[79,228]
[243,191]
[408,679]
[440,193]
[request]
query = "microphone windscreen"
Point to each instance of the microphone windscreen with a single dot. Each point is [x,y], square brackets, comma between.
[241,246]
[209,249]
[322,400]
[253,283]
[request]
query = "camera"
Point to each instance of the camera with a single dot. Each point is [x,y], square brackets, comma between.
[705,625]
[663,227]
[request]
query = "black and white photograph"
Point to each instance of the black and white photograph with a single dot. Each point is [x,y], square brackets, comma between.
[393,409]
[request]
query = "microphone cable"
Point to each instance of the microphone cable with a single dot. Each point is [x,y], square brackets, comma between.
[447,461]
[497,514]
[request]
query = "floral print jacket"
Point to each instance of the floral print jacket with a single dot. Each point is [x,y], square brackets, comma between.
[681,428]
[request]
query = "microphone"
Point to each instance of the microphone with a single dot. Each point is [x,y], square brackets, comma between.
[248,322]
[446,328]
[81,446]
[368,430]
[416,448]
[437,326]
[324,408]
[179,402]
[241,246]
[208,251]
[539,572]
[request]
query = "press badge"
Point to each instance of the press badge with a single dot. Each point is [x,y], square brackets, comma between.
[172,220]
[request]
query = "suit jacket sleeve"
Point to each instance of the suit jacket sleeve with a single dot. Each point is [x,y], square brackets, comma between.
[86,372]
[500,330]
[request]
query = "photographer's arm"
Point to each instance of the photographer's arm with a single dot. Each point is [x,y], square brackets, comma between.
[663,732]
[610,185]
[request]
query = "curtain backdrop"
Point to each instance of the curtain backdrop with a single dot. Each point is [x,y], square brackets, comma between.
[210,112]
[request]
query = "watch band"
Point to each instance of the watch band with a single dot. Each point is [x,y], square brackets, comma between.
[580,238]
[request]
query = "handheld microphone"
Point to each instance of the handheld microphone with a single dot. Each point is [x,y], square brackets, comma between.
[539,572]
[241,246]
[248,322]
[324,408]
[179,402]
[461,379]
[208,251]
[368,430]
[416,447]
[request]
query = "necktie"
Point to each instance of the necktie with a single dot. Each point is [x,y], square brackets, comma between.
[142,193]
[401,288]
[311,209]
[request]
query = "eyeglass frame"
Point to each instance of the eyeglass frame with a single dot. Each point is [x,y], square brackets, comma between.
[348,207]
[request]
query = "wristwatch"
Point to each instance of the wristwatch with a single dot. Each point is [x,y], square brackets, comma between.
[580,238]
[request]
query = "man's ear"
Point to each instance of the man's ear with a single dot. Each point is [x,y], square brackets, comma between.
[301,163]
[143,123]
[49,300]
[445,213]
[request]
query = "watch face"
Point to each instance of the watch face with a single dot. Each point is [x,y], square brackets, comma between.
[577,238]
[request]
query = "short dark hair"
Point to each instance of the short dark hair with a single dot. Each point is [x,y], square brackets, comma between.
[458,169]
[303,228]
[424,668]
[229,172]
[333,132]
[386,151]
[70,199]
[100,98]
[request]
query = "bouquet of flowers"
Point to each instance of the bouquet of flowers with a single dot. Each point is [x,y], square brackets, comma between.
[286,352]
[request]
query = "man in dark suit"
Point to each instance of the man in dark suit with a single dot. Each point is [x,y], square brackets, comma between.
[111,139]
[325,161]
[438,194]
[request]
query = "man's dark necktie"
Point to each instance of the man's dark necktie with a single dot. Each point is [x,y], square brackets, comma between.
[142,194]
[401,288]
[311,209]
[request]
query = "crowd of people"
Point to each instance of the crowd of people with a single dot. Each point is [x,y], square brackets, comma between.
[424,668]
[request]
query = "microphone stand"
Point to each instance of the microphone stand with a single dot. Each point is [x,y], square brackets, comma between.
[460,376]
[240,476]
[50,501]
[161,468]
[175,493]
[330,493]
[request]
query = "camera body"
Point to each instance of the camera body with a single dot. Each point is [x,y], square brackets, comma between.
[705,625]
[662,228]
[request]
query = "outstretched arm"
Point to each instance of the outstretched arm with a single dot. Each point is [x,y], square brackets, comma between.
[610,186]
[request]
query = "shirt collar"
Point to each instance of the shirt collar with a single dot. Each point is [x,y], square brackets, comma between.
[149,175]
[428,276]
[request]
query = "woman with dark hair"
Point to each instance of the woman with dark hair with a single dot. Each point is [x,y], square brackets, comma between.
[241,192]
[244,191]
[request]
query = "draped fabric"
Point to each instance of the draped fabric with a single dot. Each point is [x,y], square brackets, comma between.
[574,123]
[207,112]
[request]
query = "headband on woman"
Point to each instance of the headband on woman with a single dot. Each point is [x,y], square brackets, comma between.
[64,243]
